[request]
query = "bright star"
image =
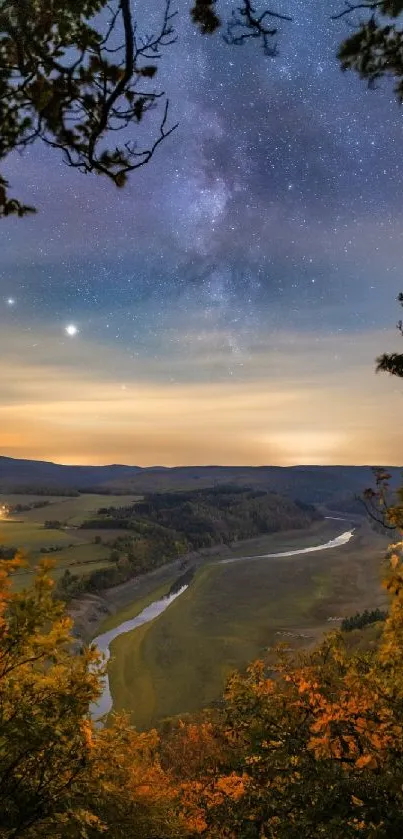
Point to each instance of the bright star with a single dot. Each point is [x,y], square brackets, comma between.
[71,330]
[10,301]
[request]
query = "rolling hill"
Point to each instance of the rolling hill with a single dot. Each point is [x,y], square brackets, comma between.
[311,484]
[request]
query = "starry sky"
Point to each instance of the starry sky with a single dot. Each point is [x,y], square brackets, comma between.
[227,305]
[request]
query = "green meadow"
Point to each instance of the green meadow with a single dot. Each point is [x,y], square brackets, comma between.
[235,612]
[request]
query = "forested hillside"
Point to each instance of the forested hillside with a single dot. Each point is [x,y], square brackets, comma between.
[165,526]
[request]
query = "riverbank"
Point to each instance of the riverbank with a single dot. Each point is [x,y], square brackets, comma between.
[95,613]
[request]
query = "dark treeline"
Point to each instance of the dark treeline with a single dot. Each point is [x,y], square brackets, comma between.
[22,489]
[209,516]
[7,551]
[362,619]
[25,508]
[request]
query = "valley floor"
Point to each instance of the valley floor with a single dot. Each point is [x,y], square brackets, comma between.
[233,613]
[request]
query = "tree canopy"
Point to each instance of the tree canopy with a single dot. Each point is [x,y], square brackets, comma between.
[375,49]
[60,775]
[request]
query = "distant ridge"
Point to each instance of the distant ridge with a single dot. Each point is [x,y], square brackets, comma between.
[313,484]
[43,473]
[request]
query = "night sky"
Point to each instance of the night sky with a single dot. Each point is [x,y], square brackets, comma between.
[227,305]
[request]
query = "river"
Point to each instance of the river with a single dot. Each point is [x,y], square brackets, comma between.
[103,642]
[332,543]
[105,702]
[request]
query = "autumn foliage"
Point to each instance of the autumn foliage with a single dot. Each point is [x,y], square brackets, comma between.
[312,749]
[317,750]
[60,776]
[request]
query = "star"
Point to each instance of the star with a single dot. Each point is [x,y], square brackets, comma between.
[71,330]
[10,301]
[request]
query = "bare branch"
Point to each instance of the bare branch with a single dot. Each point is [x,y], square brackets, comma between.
[73,79]
[74,106]
[353,7]
[246,23]
[374,513]
[379,505]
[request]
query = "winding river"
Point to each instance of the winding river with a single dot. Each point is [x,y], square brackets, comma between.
[332,543]
[103,642]
[105,702]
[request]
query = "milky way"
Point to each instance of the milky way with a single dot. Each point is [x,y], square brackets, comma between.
[264,239]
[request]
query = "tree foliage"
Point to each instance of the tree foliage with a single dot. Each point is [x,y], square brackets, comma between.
[72,77]
[375,49]
[75,74]
[60,776]
[361,619]
[392,362]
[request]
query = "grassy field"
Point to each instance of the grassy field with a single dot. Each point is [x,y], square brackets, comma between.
[75,553]
[231,614]
[78,552]
[318,533]
[31,536]
[72,511]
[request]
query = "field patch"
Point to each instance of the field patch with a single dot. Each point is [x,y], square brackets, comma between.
[31,536]
[72,511]
[78,558]
[69,546]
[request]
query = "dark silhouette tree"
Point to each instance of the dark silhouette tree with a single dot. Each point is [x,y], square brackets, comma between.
[75,74]
[392,362]
[247,23]
[72,81]
[375,49]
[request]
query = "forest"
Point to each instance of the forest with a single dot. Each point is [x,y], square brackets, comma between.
[164,526]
